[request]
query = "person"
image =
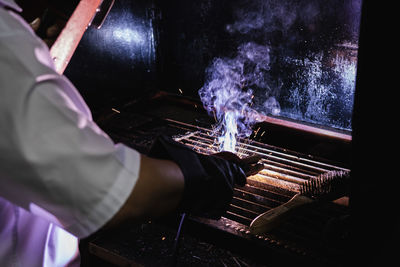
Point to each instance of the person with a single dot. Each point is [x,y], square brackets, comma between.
[62,178]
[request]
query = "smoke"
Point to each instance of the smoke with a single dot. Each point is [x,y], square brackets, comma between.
[228,92]
[280,40]
[232,83]
[273,15]
[297,19]
[267,15]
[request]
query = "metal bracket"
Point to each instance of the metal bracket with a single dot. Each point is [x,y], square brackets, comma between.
[101,13]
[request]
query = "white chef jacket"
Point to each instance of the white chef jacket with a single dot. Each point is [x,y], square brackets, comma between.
[61,177]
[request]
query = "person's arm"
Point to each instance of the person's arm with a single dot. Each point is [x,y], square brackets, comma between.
[161,184]
[58,161]
[158,191]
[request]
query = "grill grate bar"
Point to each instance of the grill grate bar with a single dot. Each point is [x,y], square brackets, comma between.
[269,160]
[309,168]
[255,198]
[257,207]
[273,178]
[245,212]
[263,192]
[290,169]
[209,136]
[238,218]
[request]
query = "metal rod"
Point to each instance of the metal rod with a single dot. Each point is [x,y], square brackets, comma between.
[269,156]
[260,146]
[264,172]
[284,155]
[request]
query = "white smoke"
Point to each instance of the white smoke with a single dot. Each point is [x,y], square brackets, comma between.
[272,15]
[228,92]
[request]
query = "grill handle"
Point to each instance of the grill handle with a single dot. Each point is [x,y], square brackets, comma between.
[270,219]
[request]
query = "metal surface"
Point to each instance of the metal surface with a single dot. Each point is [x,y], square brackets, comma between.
[345,136]
[69,38]
[118,61]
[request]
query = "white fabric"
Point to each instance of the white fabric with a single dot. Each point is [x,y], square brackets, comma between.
[58,169]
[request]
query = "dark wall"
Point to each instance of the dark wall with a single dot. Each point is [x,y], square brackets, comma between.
[312,52]
[192,34]
[118,61]
[195,32]
[374,200]
[298,58]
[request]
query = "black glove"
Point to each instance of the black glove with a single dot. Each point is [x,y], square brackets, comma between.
[209,180]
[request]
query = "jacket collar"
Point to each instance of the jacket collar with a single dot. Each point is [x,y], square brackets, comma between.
[10,4]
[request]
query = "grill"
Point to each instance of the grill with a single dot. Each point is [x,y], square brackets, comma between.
[277,183]
[304,237]
[282,168]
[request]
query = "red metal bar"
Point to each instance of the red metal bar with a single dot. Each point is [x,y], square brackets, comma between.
[69,38]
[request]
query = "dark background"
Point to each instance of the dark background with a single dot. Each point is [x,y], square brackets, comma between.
[178,40]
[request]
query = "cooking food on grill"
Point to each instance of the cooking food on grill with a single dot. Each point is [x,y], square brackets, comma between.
[325,187]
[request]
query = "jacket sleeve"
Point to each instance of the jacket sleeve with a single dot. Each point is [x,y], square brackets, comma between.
[63,164]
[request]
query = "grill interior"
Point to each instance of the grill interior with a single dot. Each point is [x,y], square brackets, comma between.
[306,236]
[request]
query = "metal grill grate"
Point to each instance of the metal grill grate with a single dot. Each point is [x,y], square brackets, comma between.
[280,179]
[282,168]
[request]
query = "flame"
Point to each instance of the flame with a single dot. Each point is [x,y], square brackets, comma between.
[228,138]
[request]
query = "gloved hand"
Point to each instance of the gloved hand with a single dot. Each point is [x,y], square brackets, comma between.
[209,179]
